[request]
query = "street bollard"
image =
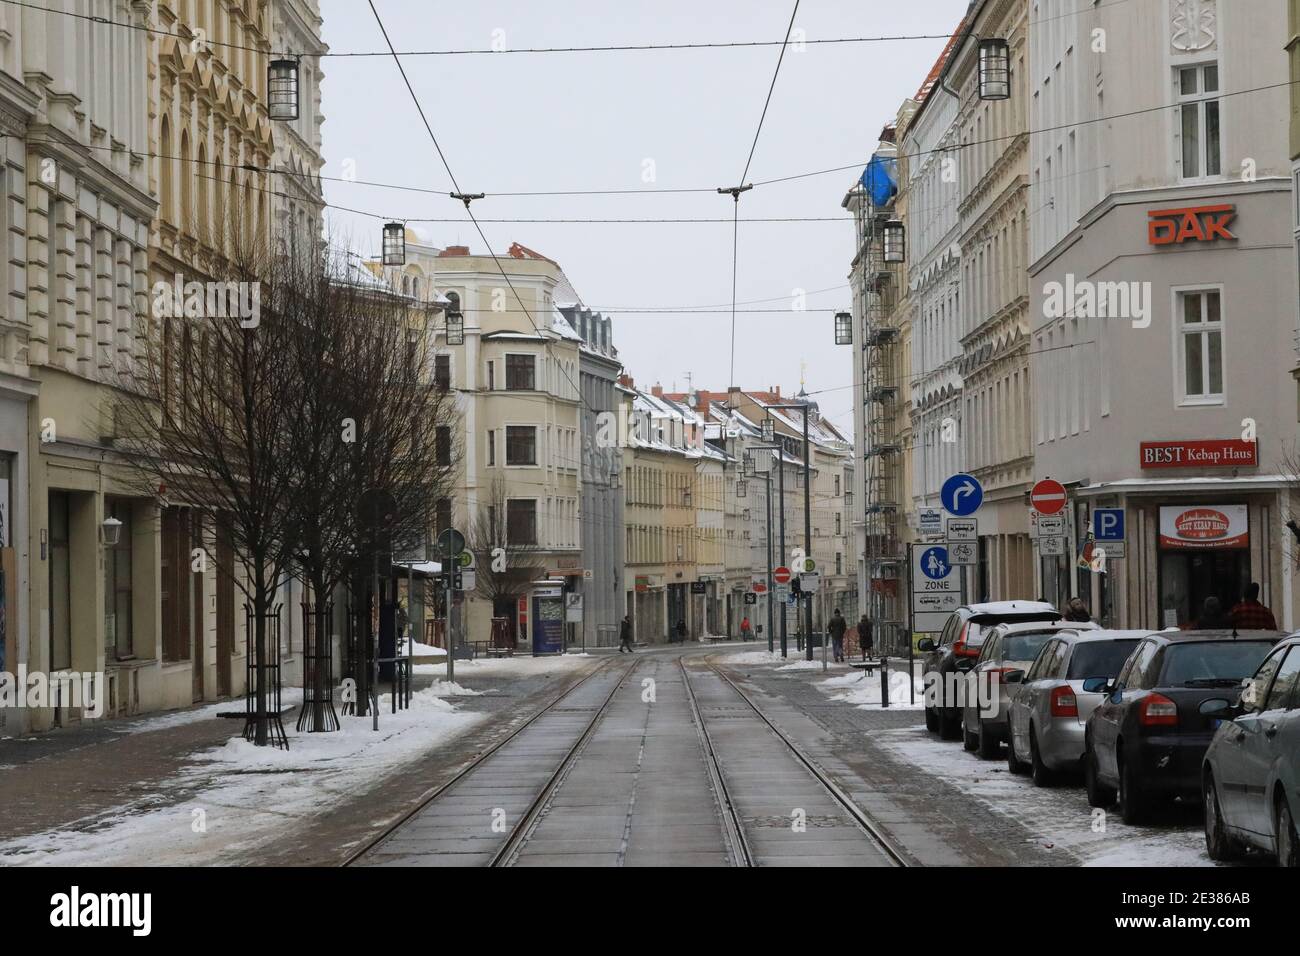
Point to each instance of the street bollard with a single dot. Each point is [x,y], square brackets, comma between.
[884,682]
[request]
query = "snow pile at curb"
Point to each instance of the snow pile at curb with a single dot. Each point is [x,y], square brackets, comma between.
[863,692]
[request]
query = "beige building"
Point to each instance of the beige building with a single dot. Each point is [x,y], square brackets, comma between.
[516,378]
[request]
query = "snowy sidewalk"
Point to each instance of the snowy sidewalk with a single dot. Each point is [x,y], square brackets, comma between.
[186,788]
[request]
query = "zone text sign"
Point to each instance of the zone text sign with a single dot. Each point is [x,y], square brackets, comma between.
[1209,453]
[1171,227]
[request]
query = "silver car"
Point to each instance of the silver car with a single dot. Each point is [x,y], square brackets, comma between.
[1050,713]
[1008,652]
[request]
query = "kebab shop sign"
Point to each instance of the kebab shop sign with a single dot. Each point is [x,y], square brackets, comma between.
[1213,453]
[1204,526]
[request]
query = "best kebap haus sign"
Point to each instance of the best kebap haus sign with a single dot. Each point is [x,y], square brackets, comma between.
[1204,526]
[1209,453]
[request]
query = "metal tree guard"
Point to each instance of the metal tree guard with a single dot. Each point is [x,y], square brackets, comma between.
[266,675]
[317,714]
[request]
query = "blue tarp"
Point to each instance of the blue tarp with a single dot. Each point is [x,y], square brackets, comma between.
[880,179]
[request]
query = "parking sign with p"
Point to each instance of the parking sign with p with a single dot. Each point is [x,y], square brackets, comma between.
[1108,524]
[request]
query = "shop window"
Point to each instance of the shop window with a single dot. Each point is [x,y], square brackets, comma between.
[1200,333]
[175,603]
[1199,120]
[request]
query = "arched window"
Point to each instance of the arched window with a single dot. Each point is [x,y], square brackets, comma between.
[217,216]
[187,195]
[201,173]
[168,212]
[453,302]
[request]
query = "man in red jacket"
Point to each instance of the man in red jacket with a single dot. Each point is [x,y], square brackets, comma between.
[1250,615]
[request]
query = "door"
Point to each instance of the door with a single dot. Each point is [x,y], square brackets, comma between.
[225,608]
[60,650]
[195,582]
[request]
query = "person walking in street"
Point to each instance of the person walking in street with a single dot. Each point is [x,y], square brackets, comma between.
[681,631]
[625,635]
[865,639]
[1249,614]
[837,627]
[746,632]
[1212,617]
[1077,611]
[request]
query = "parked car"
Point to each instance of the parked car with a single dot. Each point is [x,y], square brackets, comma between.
[1008,652]
[1050,710]
[1250,780]
[947,659]
[1146,740]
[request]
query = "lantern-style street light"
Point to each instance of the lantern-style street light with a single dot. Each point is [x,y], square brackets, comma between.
[394,248]
[895,241]
[282,90]
[995,69]
[843,328]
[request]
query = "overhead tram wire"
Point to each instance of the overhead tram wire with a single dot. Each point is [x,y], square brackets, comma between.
[467,198]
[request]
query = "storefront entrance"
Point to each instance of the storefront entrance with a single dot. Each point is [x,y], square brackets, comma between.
[1188,578]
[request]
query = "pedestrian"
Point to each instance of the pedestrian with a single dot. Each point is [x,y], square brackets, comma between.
[865,639]
[1249,614]
[837,627]
[1077,611]
[1212,617]
[681,631]
[625,635]
[745,629]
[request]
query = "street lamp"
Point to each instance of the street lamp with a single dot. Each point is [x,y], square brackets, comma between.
[995,69]
[769,431]
[282,90]
[394,248]
[895,241]
[110,531]
[748,467]
[843,328]
[742,489]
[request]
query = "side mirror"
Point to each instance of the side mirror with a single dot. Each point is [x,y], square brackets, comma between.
[1015,677]
[925,645]
[1096,685]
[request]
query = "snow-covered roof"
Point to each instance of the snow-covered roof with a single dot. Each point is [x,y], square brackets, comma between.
[561,327]
[513,337]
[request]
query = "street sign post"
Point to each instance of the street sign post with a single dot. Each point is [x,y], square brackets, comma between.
[936,590]
[1108,525]
[1047,497]
[1050,526]
[963,553]
[810,582]
[1051,547]
[781,575]
[931,521]
[751,597]
[962,495]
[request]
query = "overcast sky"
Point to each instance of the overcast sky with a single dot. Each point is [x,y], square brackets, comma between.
[562,121]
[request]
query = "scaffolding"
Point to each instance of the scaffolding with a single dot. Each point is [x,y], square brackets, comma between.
[885,552]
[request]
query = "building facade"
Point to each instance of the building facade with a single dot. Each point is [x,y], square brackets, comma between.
[1160,267]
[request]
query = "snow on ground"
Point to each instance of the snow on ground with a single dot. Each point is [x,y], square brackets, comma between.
[1060,815]
[862,690]
[522,664]
[289,697]
[234,797]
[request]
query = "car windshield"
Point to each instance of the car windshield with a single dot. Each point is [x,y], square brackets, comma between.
[1099,659]
[1024,646]
[1212,663]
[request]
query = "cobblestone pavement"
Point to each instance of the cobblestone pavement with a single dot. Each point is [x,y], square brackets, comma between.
[934,821]
[69,778]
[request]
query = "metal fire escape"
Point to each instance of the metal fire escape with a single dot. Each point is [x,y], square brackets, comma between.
[885,554]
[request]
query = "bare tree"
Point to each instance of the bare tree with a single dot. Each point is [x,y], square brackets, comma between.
[506,569]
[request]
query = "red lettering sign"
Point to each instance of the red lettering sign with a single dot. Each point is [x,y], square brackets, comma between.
[1167,227]
[1212,453]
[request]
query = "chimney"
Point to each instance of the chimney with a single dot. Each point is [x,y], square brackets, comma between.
[657,391]
[702,402]
[777,389]
[454,251]
[626,381]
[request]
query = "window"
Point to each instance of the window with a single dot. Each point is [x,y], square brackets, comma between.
[837,486]
[521,445]
[839,523]
[442,372]
[492,376]
[118,637]
[839,560]
[521,521]
[491,447]
[60,582]
[1199,120]
[443,448]
[521,373]
[442,515]
[1200,331]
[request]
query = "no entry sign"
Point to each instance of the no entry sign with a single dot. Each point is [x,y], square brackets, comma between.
[781,575]
[1048,497]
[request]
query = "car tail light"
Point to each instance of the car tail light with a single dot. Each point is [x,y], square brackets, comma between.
[959,648]
[1064,703]
[1157,710]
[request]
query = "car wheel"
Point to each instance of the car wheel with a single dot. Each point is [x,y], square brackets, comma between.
[1099,795]
[1014,764]
[1218,844]
[1134,805]
[987,743]
[1288,843]
[1044,776]
[969,741]
[931,720]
